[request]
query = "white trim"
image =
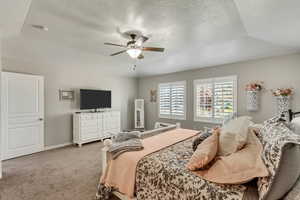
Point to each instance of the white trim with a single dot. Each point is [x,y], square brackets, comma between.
[213,80]
[47,148]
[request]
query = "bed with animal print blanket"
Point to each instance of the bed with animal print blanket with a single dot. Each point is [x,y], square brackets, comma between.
[163,174]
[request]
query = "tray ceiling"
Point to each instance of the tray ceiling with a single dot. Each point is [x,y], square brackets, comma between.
[195,33]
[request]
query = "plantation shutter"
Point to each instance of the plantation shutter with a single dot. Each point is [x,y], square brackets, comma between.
[203,98]
[164,100]
[223,98]
[172,100]
[178,100]
[214,99]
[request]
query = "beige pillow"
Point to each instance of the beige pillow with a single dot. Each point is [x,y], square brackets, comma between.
[205,152]
[233,135]
[239,167]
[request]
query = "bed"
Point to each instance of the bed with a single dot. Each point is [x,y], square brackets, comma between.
[163,175]
[292,114]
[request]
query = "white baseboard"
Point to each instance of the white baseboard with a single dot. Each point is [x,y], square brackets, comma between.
[57,146]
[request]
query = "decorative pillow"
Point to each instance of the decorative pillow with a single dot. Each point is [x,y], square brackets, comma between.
[199,139]
[205,152]
[256,127]
[239,167]
[277,142]
[277,120]
[273,120]
[233,136]
[229,118]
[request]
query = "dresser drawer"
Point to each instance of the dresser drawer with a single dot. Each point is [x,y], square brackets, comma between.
[92,122]
[88,129]
[89,116]
[90,135]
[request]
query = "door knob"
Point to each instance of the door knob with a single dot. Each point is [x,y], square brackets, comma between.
[41,119]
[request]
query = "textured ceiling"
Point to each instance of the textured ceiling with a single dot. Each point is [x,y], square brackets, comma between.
[12,16]
[195,33]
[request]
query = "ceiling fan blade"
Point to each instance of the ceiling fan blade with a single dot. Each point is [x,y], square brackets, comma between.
[114,54]
[118,45]
[141,56]
[153,49]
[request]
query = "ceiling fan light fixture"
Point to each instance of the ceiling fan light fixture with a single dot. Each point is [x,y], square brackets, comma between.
[134,52]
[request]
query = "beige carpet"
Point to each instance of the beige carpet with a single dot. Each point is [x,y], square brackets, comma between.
[69,173]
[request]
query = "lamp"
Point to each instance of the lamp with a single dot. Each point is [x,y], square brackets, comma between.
[134,52]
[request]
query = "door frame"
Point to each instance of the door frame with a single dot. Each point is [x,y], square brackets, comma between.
[4,111]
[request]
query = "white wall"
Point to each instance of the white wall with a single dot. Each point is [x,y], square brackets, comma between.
[0,108]
[282,71]
[58,114]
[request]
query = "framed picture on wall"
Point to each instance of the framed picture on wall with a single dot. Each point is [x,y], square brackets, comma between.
[66,95]
[153,96]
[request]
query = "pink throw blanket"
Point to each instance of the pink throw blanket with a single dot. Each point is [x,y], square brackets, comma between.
[120,173]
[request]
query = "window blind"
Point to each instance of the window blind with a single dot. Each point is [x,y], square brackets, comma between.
[172,100]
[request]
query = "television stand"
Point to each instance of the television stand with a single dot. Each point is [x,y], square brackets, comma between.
[94,126]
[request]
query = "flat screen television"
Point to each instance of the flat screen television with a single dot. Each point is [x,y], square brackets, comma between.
[93,99]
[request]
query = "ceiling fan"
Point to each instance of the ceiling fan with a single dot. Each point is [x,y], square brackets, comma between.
[134,46]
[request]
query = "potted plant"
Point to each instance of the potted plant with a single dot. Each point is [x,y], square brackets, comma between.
[252,93]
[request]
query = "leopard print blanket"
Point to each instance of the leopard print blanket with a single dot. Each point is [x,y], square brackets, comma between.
[163,175]
[274,136]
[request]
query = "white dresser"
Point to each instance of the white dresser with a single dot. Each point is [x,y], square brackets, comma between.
[88,127]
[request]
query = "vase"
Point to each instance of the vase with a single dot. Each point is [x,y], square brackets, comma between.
[252,100]
[283,104]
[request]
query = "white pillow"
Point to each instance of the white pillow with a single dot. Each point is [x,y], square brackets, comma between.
[296,125]
[233,135]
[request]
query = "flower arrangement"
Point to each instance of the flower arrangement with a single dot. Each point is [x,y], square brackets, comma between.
[282,92]
[255,86]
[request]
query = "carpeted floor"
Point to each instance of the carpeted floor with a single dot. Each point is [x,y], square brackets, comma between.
[69,173]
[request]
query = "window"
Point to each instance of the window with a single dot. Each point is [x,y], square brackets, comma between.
[172,100]
[215,98]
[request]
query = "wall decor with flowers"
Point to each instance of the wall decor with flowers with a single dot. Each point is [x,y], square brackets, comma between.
[253,90]
[283,99]
[153,96]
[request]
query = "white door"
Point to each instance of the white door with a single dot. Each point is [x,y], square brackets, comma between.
[22,114]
